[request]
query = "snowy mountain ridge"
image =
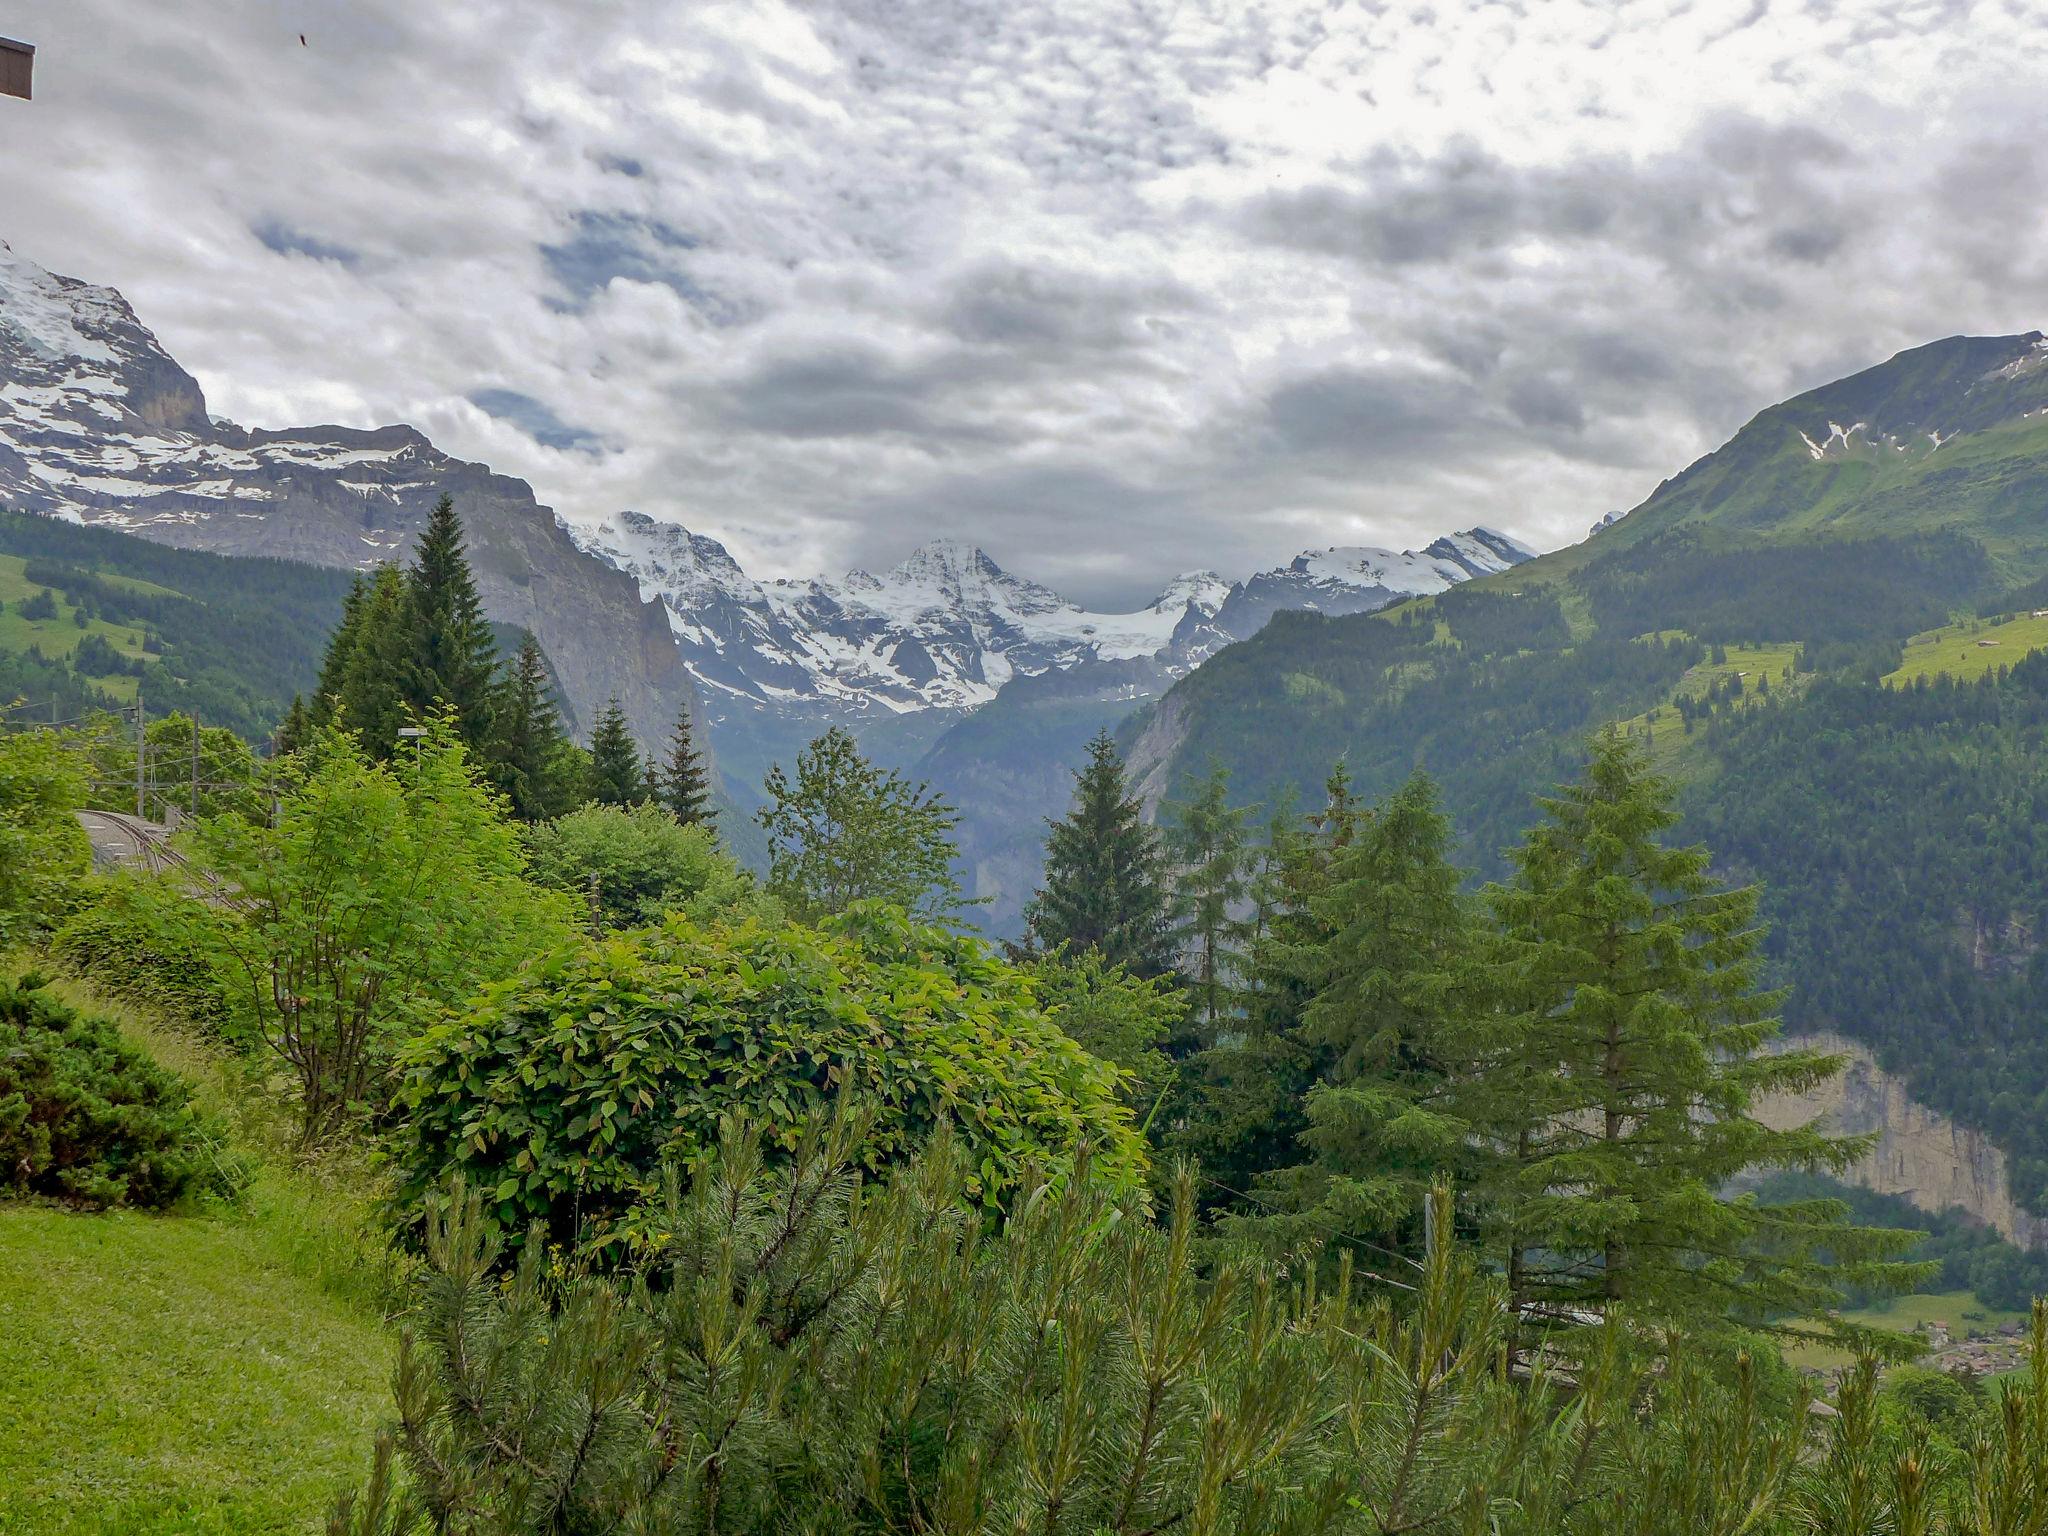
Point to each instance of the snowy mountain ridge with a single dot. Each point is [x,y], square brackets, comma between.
[98,424]
[947,627]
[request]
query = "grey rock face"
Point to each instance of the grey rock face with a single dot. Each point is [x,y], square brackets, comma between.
[100,425]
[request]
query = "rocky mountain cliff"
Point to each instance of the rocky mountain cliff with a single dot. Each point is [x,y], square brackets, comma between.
[98,424]
[1920,1154]
[948,627]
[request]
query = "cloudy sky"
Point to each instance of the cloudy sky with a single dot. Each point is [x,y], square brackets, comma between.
[1114,287]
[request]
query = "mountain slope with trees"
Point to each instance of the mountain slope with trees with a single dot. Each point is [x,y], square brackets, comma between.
[1890,827]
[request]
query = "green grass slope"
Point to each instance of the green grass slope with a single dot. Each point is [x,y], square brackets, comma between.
[228,640]
[173,1375]
[213,1373]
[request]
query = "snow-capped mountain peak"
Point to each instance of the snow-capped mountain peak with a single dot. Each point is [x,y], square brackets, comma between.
[947,626]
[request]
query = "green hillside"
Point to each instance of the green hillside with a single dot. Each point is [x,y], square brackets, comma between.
[1793,625]
[88,615]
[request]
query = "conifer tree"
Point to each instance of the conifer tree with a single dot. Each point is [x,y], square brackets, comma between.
[370,701]
[451,659]
[615,774]
[528,757]
[685,785]
[1211,883]
[1397,970]
[292,732]
[1241,1116]
[1104,887]
[1615,1088]
[341,651]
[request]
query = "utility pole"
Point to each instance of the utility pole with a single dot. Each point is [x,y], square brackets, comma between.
[195,765]
[139,753]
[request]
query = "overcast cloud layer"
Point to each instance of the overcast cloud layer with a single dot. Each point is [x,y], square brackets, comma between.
[1114,287]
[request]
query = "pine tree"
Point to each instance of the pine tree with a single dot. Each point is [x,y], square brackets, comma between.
[1395,974]
[341,650]
[1206,845]
[1614,1090]
[843,830]
[451,659]
[686,786]
[293,730]
[527,760]
[1104,887]
[1241,1115]
[369,700]
[615,776]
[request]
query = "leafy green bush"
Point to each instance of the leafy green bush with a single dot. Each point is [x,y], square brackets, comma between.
[143,941]
[565,1091]
[86,1118]
[643,861]
[43,850]
[382,895]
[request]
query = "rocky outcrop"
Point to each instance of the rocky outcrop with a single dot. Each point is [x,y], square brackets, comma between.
[99,425]
[1920,1155]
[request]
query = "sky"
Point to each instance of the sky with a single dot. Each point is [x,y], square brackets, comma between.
[1114,288]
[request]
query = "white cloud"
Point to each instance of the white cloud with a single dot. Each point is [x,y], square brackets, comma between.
[1117,288]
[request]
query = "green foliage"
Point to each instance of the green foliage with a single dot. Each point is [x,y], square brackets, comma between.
[383,894]
[685,781]
[1896,833]
[534,764]
[1400,967]
[844,831]
[616,777]
[1612,1089]
[563,1093]
[640,863]
[821,1354]
[1123,1019]
[43,850]
[449,660]
[1105,874]
[1205,847]
[229,778]
[1840,590]
[87,1119]
[227,639]
[138,938]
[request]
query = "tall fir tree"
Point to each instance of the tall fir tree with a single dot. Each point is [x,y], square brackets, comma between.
[1105,875]
[1614,1090]
[531,759]
[685,783]
[1206,847]
[615,773]
[451,660]
[1241,1109]
[1397,970]
[370,701]
[341,651]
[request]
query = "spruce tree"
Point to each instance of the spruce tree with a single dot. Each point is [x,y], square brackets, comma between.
[1397,970]
[1104,887]
[615,774]
[341,651]
[1211,884]
[686,786]
[527,760]
[1614,1090]
[451,659]
[293,730]
[370,701]
[1241,1116]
